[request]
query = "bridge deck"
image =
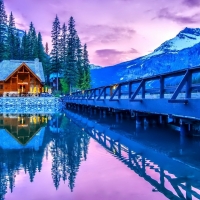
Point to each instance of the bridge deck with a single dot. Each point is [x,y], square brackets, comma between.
[155,94]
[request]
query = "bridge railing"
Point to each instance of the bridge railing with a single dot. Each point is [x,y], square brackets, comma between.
[177,87]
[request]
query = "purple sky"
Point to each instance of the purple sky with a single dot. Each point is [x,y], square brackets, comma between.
[114,30]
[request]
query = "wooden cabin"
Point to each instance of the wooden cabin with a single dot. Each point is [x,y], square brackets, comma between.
[21,77]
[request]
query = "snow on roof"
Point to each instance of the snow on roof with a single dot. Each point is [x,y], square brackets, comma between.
[7,67]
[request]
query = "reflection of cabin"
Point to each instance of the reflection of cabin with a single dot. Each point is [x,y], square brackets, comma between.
[22,127]
[18,77]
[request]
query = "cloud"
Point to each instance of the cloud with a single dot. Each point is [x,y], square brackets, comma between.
[181,19]
[112,56]
[106,34]
[21,25]
[191,3]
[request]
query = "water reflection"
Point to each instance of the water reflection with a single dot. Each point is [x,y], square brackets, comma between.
[27,139]
[174,179]
[68,148]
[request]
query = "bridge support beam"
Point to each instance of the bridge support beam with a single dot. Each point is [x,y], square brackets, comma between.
[184,130]
[139,120]
[104,113]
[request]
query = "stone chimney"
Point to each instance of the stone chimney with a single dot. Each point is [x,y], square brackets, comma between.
[36,60]
[37,67]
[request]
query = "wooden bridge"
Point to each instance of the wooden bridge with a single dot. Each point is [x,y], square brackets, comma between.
[155,94]
[145,162]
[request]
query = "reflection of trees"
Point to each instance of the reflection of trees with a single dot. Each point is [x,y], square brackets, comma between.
[68,148]
[13,160]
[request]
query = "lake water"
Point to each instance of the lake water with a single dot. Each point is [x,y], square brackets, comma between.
[84,157]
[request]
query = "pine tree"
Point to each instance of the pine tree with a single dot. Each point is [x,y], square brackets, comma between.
[47,48]
[40,48]
[32,43]
[11,37]
[71,72]
[47,67]
[86,66]
[24,47]
[17,47]
[55,53]
[43,57]
[63,46]
[79,62]
[3,32]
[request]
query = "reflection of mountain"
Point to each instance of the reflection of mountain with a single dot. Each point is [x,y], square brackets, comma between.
[25,141]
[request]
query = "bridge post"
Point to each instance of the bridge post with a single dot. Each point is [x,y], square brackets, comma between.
[104,113]
[91,111]
[121,117]
[100,113]
[185,128]
[162,119]
[138,119]
[117,117]
[146,121]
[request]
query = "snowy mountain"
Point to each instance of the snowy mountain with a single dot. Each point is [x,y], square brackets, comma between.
[92,66]
[180,52]
[21,33]
[185,39]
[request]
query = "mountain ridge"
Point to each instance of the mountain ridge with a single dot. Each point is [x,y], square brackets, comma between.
[180,52]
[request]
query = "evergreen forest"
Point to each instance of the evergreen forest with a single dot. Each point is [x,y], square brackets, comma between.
[68,59]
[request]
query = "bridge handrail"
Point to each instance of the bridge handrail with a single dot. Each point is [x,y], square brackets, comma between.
[116,91]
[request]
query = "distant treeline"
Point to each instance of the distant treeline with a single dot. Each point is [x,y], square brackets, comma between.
[68,58]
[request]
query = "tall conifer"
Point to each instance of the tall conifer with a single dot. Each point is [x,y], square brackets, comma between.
[86,66]
[40,48]
[11,37]
[32,43]
[24,47]
[55,53]
[79,62]
[71,72]
[3,32]
[47,48]
[17,47]
[63,46]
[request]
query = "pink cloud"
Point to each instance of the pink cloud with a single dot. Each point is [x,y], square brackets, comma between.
[113,24]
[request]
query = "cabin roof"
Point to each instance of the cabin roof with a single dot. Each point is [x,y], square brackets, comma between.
[7,67]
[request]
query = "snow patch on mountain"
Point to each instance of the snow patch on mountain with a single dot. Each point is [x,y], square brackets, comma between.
[181,52]
[185,39]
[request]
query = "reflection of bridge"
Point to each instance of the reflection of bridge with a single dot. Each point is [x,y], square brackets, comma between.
[146,162]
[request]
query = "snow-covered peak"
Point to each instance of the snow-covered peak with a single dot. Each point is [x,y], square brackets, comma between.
[92,66]
[188,37]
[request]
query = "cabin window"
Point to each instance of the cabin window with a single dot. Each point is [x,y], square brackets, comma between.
[1,86]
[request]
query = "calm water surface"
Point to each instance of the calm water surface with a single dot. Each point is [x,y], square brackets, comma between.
[79,156]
